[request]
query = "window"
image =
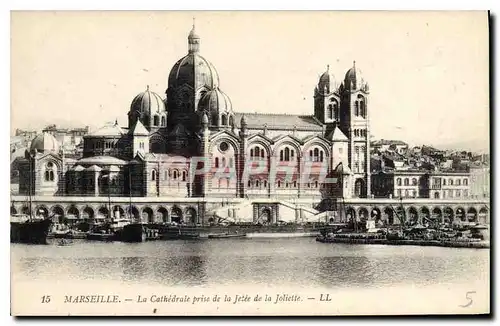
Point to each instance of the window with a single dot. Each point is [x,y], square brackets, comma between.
[458,182]
[465,182]
[414,193]
[184,175]
[249,183]
[156,120]
[436,195]
[362,111]
[330,112]
[153,175]
[316,155]
[176,174]
[450,193]
[450,182]
[257,184]
[231,121]
[458,193]
[398,181]
[316,184]
[466,193]
[224,120]
[407,182]
[163,121]
[444,182]
[265,183]
[279,183]
[216,162]
[399,192]
[414,181]
[287,155]
[407,193]
[356,108]
[49,172]
[295,184]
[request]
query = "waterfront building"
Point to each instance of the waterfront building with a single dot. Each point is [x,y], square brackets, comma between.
[152,156]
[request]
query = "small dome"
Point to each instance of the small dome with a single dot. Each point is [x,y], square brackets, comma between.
[354,78]
[327,80]
[204,119]
[44,142]
[147,103]
[215,101]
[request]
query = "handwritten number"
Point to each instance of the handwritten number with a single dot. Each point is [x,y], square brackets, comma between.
[46,299]
[467,296]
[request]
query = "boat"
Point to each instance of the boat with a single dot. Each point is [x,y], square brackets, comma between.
[26,228]
[226,236]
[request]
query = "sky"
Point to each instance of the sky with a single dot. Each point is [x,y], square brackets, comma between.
[427,71]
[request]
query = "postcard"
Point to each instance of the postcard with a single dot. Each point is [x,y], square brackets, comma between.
[240,163]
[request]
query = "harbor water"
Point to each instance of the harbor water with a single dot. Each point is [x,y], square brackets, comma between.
[297,262]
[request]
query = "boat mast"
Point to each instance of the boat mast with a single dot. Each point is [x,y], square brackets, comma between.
[109,197]
[130,193]
[31,185]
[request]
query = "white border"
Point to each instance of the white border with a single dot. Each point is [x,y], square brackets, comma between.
[181,5]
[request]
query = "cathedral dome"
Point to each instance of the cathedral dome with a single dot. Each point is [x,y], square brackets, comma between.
[215,102]
[327,80]
[354,78]
[43,143]
[193,69]
[148,103]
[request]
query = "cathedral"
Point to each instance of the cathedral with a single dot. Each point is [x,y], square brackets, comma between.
[193,143]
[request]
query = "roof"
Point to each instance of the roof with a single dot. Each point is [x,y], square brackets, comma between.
[105,160]
[139,129]
[44,142]
[94,168]
[279,121]
[388,142]
[108,130]
[337,135]
[343,168]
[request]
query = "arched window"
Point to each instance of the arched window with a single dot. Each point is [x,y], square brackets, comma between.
[330,112]
[356,108]
[287,154]
[249,183]
[251,153]
[231,121]
[458,193]
[49,172]
[316,155]
[414,193]
[407,194]
[414,181]
[407,182]
[321,156]
[458,182]
[223,162]
[287,184]
[163,121]
[362,111]
[176,174]
[265,183]
[336,111]
[281,156]
[398,181]
[262,153]
[257,183]
[184,175]
[444,182]
[279,183]
[216,162]
[156,120]
[450,182]
[153,175]
[295,184]
[316,184]
[224,120]
[215,120]
[465,182]
[436,195]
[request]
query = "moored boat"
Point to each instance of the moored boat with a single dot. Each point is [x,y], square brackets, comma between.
[226,236]
[24,229]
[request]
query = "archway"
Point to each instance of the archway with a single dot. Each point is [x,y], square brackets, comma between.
[118,212]
[359,188]
[191,215]
[58,213]
[412,216]
[448,215]
[13,210]
[375,214]
[88,213]
[436,195]
[73,213]
[483,215]
[133,212]
[147,215]
[102,212]
[425,215]
[162,214]
[437,214]
[176,215]
[472,215]
[363,214]
[460,214]
[389,215]
[350,215]
[25,210]
[42,211]
[400,215]
[265,215]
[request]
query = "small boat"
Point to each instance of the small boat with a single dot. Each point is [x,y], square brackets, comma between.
[64,242]
[188,236]
[226,235]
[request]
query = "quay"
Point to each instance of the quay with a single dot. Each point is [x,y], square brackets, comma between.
[401,242]
[206,211]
